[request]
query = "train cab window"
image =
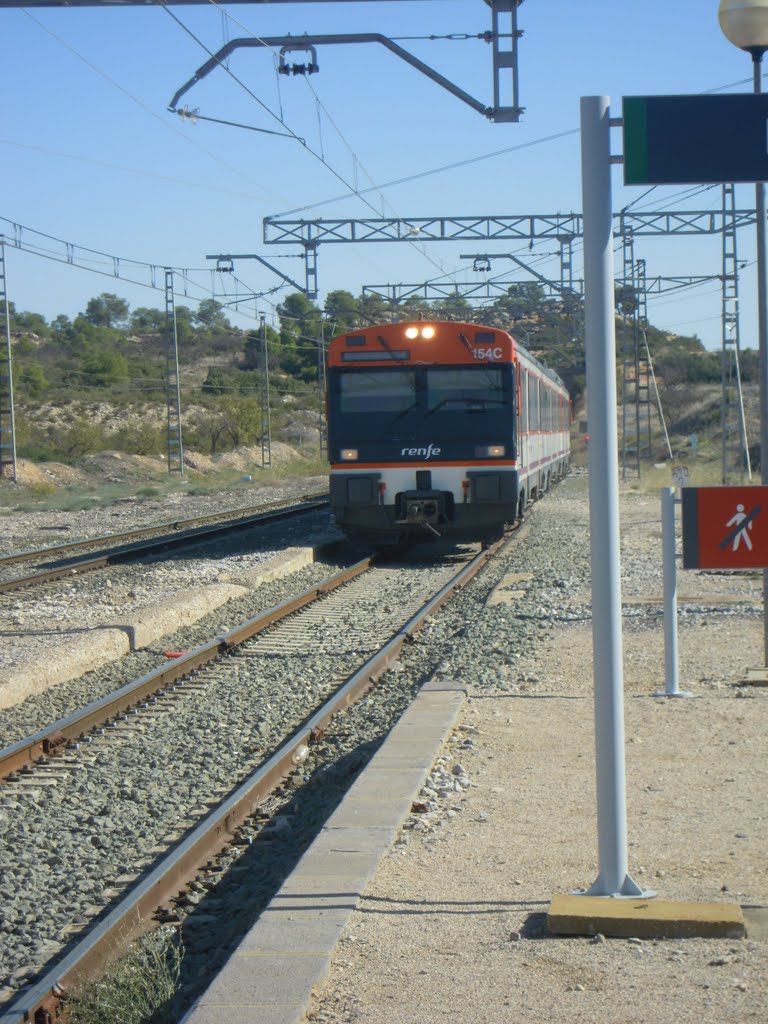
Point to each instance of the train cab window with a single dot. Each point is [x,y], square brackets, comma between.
[466,387]
[377,391]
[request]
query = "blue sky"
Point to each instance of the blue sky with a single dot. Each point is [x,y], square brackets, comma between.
[89,153]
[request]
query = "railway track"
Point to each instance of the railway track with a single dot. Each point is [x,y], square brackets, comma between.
[113,549]
[248,705]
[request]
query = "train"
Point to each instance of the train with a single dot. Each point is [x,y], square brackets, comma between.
[439,429]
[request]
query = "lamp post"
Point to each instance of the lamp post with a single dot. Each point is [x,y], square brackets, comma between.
[745,24]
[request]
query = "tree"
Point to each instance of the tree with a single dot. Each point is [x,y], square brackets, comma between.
[522,300]
[453,307]
[374,310]
[300,330]
[252,347]
[30,323]
[105,368]
[106,310]
[148,320]
[210,314]
[32,380]
[343,310]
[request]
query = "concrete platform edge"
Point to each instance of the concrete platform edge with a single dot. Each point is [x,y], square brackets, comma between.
[272,974]
[110,641]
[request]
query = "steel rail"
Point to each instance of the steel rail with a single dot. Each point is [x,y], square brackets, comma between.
[132,551]
[139,531]
[44,743]
[134,913]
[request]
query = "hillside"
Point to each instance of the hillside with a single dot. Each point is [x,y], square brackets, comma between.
[95,384]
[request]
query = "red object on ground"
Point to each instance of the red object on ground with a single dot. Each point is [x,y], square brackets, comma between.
[174,654]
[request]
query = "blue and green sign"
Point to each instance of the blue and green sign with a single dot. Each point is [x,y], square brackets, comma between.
[677,140]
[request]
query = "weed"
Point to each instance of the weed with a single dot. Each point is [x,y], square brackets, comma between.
[137,988]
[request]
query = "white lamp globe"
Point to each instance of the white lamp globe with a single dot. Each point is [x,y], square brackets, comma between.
[745,23]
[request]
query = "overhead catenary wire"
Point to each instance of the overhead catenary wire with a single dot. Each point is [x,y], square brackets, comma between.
[148,110]
[318,156]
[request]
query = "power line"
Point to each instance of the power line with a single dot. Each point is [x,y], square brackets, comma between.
[318,156]
[148,110]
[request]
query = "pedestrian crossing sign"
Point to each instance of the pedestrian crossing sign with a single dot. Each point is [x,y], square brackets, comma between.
[725,527]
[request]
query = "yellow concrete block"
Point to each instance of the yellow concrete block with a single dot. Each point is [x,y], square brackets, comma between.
[643,918]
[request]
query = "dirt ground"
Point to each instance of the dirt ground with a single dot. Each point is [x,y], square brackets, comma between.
[453,926]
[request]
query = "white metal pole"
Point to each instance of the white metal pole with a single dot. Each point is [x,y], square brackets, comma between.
[762,332]
[613,878]
[670,590]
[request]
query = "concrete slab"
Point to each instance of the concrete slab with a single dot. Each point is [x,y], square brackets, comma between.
[643,918]
[296,931]
[226,1013]
[258,977]
[756,920]
[287,953]
[508,590]
[142,626]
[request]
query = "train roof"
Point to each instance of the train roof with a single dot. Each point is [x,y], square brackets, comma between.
[459,327]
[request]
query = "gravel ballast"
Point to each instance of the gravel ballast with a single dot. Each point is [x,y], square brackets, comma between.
[434,942]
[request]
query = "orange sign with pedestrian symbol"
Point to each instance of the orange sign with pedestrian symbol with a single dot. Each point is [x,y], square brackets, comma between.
[725,527]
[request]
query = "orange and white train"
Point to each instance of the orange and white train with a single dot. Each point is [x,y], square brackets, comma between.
[440,429]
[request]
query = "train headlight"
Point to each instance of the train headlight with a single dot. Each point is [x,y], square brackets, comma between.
[427,332]
[491,451]
[348,454]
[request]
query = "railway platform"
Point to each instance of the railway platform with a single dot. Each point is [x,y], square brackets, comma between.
[416,909]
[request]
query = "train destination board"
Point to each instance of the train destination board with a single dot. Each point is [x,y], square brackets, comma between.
[671,140]
[725,527]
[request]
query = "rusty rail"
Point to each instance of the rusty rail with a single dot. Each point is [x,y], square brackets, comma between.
[43,1001]
[75,726]
[132,551]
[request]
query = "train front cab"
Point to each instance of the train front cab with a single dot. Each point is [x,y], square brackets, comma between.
[392,504]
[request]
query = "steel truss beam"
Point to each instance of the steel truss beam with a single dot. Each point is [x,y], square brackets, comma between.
[735,446]
[557,226]
[435,290]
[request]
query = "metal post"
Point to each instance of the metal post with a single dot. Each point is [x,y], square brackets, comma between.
[172,382]
[762,336]
[321,390]
[613,878]
[7,416]
[671,681]
[266,426]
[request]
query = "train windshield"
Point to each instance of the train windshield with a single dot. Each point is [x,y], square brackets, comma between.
[377,391]
[468,388]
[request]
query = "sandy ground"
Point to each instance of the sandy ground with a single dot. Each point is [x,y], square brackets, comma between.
[452,928]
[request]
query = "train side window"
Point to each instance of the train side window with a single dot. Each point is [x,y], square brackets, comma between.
[533,404]
[523,400]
